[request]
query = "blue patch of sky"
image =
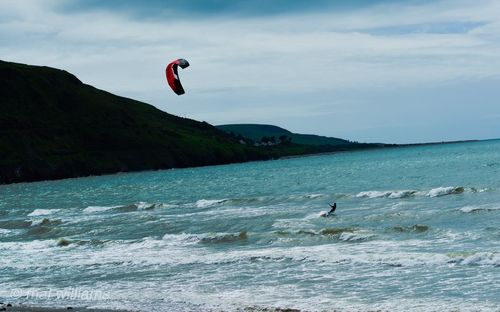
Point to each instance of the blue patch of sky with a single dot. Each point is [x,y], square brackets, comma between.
[426,28]
[212,8]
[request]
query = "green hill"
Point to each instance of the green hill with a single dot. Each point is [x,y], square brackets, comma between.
[256,132]
[54,126]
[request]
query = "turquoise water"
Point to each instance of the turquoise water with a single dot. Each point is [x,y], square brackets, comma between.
[416,228]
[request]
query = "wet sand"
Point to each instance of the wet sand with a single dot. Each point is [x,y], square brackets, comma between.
[23,308]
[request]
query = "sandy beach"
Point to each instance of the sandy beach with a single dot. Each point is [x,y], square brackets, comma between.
[24,308]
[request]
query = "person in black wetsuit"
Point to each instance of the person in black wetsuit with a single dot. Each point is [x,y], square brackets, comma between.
[334,206]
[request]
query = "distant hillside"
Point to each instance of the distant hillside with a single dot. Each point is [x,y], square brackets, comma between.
[255,132]
[54,126]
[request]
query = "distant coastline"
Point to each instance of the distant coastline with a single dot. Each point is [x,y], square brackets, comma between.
[389,146]
[442,142]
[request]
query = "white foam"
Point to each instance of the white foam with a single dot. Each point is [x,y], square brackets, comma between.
[402,194]
[183,239]
[355,236]
[42,212]
[373,194]
[177,249]
[483,258]
[5,232]
[205,203]
[469,209]
[388,194]
[37,222]
[26,248]
[164,206]
[92,209]
[186,239]
[441,191]
[144,206]
[435,192]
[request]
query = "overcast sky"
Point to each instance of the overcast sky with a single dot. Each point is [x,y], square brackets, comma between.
[371,71]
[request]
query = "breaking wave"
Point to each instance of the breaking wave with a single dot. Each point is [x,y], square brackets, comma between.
[45,222]
[224,238]
[5,232]
[42,212]
[185,239]
[126,208]
[475,259]
[388,194]
[338,234]
[435,192]
[476,209]
[94,209]
[205,203]
[43,227]
[442,191]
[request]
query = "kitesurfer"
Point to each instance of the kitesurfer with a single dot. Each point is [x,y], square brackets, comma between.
[334,206]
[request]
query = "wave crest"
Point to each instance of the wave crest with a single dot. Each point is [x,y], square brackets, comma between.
[477,209]
[388,194]
[42,212]
[127,208]
[93,209]
[435,192]
[442,191]
[186,239]
[476,259]
[224,238]
[205,203]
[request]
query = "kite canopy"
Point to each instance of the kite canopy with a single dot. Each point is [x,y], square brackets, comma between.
[173,76]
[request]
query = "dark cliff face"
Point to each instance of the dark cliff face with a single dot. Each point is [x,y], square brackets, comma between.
[54,126]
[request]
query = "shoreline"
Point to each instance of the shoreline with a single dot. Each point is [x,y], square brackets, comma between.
[374,147]
[28,308]
[383,146]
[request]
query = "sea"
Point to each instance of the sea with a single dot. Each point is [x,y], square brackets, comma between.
[416,229]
